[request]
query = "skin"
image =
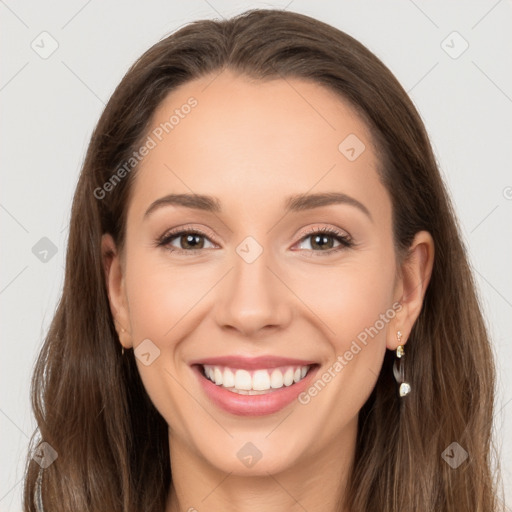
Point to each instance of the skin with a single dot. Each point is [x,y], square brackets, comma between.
[252,144]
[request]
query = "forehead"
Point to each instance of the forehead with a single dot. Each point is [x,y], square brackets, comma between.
[247,141]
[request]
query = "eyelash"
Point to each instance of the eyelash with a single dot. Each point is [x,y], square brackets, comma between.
[345,241]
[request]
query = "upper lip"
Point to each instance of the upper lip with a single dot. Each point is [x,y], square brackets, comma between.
[252,363]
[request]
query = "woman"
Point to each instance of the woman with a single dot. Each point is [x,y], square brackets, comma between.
[204,355]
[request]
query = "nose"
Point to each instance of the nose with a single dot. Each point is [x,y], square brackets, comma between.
[253,298]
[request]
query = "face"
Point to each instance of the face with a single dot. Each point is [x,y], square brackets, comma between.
[291,301]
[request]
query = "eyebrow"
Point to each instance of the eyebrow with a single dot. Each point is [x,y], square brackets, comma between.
[295,203]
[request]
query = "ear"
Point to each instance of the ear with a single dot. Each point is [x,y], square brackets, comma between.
[411,286]
[114,279]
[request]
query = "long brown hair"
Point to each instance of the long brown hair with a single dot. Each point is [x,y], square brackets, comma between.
[89,402]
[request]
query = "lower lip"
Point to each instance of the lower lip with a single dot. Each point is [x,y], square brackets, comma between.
[253,405]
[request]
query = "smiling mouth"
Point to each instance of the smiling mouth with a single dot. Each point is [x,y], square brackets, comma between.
[256,382]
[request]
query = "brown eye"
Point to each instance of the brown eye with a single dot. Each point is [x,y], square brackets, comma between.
[187,241]
[191,241]
[323,240]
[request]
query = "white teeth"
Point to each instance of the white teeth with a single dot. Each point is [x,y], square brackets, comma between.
[228,378]
[243,380]
[260,380]
[217,374]
[256,382]
[288,377]
[276,379]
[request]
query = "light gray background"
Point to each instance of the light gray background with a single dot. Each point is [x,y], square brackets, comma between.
[50,106]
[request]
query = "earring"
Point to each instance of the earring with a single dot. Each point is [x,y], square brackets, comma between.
[399,369]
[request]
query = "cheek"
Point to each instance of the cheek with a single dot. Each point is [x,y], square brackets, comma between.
[160,295]
[348,298]
[346,380]
[354,304]
[160,298]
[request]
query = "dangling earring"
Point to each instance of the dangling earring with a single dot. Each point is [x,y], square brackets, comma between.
[398,368]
